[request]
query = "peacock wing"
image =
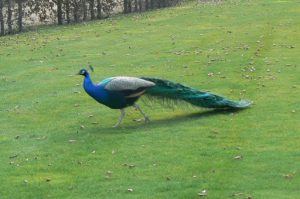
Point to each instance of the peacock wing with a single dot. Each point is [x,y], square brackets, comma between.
[127,83]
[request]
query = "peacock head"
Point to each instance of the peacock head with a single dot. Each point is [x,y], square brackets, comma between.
[83,72]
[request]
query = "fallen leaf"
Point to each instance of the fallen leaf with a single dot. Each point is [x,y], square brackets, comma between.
[109,172]
[202,193]
[131,166]
[289,175]
[238,157]
[238,194]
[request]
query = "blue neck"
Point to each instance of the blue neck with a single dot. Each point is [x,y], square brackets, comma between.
[95,91]
[88,84]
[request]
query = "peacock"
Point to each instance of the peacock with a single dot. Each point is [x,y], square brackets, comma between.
[122,91]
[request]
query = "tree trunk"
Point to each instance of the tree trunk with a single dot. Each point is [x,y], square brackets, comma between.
[129,6]
[99,9]
[159,4]
[135,5]
[125,4]
[84,8]
[59,12]
[152,4]
[76,14]
[164,3]
[20,15]
[67,2]
[1,19]
[147,5]
[140,5]
[9,16]
[92,5]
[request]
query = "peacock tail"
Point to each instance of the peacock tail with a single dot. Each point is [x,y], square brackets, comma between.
[171,91]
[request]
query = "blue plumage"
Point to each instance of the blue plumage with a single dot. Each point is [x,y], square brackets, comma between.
[121,92]
[112,98]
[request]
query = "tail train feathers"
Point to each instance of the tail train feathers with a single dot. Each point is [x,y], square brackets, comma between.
[169,90]
[239,104]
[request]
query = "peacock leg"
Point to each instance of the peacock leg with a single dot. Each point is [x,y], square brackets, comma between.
[120,118]
[144,115]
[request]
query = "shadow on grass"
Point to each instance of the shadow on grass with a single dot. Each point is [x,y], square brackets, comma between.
[171,121]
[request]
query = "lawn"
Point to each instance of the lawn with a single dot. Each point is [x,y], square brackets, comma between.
[56,142]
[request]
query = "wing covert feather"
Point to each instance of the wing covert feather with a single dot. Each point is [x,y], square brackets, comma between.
[127,83]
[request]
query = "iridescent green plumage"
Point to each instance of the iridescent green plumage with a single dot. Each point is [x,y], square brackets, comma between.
[168,90]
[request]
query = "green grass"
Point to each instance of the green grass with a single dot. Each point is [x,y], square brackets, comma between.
[252,49]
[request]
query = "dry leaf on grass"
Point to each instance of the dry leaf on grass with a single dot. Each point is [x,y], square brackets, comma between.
[202,193]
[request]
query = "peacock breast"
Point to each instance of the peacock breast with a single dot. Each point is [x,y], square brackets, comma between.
[111,99]
[115,100]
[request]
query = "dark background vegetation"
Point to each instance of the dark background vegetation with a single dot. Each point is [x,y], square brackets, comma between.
[18,15]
